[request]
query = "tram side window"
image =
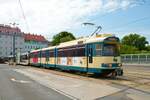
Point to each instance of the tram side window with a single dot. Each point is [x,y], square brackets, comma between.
[75,52]
[81,52]
[68,52]
[51,53]
[43,53]
[98,48]
[65,53]
[39,54]
[47,53]
[34,55]
[60,53]
[72,51]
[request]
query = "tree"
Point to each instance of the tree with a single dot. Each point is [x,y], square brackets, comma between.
[148,48]
[126,49]
[135,40]
[62,37]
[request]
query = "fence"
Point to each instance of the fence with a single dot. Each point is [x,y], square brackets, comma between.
[135,58]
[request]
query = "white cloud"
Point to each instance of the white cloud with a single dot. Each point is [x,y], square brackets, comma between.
[52,16]
[125,4]
[111,5]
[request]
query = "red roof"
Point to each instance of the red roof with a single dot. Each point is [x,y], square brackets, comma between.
[33,37]
[9,29]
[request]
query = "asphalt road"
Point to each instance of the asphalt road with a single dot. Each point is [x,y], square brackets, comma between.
[15,86]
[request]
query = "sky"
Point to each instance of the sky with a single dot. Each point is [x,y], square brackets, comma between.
[49,17]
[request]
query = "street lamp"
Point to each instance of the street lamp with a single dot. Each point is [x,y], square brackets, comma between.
[97,30]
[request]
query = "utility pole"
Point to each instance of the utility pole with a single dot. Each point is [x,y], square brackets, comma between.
[14,60]
[14,46]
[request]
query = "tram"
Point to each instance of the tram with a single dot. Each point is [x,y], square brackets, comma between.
[97,54]
[23,58]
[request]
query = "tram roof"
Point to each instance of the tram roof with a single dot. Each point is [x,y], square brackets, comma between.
[36,50]
[49,48]
[98,38]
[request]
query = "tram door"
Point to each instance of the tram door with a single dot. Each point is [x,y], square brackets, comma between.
[89,54]
[47,53]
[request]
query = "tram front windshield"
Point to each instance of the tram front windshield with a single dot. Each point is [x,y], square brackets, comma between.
[110,50]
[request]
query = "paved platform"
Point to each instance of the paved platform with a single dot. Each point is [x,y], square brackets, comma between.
[71,87]
[16,86]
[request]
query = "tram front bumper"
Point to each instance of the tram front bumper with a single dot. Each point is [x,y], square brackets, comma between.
[114,67]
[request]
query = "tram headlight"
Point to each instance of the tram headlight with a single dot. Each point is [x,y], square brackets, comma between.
[120,64]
